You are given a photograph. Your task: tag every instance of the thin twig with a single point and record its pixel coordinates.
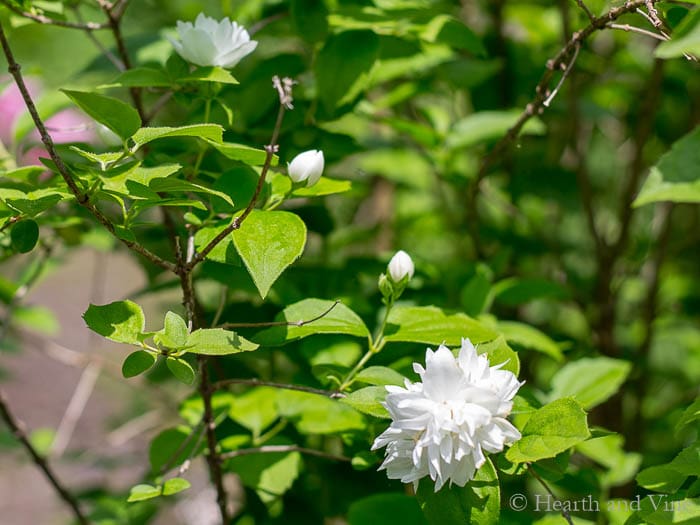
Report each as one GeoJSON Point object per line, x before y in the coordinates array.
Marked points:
{"type": "Point", "coordinates": [83, 199]}
{"type": "Point", "coordinates": [115, 25]}
{"type": "Point", "coordinates": [276, 449]}
{"type": "Point", "coordinates": [157, 106]}
{"type": "Point", "coordinates": [266, 21]}
{"type": "Point", "coordinates": [565, 513]}
{"type": "Point", "coordinates": [106, 52]}
{"type": "Point", "coordinates": [635, 29]}
{"type": "Point", "coordinates": [653, 14]}
{"type": "Point", "coordinates": [280, 323]}
{"type": "Point", "coordinates": [41, 19]}
{"type": "Point", "coordinates": [534, 107]}
{"type": "Point", "coordinates": [567, 70]}
{"type": "Point", "coordinates": [18, 431]}
{"type": "Point", "coordinates": [284, 89]}
{"type": "Point", "coordinates": [225, 383]}
{"type": "Point", "coordinates": [583, 6]}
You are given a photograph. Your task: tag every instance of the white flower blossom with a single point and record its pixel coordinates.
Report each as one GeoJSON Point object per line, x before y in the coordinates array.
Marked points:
{"type": "Point", "coordinates": [307, 166]}
{"type": "Point", "coordinates": [443, 426]}
{"type": "Point", "coordinates": [400, 266]}
{"type": "Point", "coordinates": [212, 43]}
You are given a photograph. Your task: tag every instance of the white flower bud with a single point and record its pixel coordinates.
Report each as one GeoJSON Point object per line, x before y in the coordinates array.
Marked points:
{"type": "Point", "coordinates": [401, 266]}
{"type": "Point", "coordinates": [307, 166]}
{"type": "Point", "coordinates": [212, 43]}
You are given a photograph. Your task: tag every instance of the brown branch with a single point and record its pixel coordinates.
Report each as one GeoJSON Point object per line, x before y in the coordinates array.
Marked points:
{"type": "Point", "coordinates": [567, 70]}
{"type": "Point", "coordinates": [114, 18]}
{"type": "Point", "coordinates": [41, 19]}
{"type": "Point", "coordinates": [276, 449]}
{"type": "Point", "coordinates": [653, 14]}
{"type": "Point", "coordinates": [284, 89]}
{"type": "Point", "coordinates": [565, 513]}
{"type": "Point", "coordinates": [280, 323]}
{"type": "Point", "coordinates": [585, 9]}
{"type": "Point", "coordinates": [535, 106]}
{"type": "Point", "coordinates": [18, 431]}
{"type": "Point", "coordinates": [635, 29]}
{"type": "Point", "coordinates": [225, 383]}
{"type": "Point", "coordinates": [83, 199]}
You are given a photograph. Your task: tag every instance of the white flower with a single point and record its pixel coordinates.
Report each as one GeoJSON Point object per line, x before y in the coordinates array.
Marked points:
{"type": "Point", "coordinates": [307, 166]}
{"type": "Point", "coordinates": [441, 427]}
{"type": "Point", "coordinates": [212, 43]}
{"type": "Point", "coordinates": [400, 266]}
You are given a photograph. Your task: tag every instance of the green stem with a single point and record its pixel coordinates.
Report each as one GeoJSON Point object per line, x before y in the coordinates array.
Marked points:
{"type": "Point", "coordinates": [203, 147]}
{"type": "Point", "coordinates": [375, 346]}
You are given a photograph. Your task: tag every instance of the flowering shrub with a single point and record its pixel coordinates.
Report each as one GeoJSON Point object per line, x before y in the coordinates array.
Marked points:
{"type": "Point", "coordinates": [535, 167]}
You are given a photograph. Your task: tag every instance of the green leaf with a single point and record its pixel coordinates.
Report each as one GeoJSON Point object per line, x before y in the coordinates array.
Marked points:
{"type": "Point", "coordinates": [172, 184]}
{"type": "Point", "coordinates": [430, 325]}
{"type": "Point", "coordinates": [112, 112]}
{"type": "Point", "coordinates": [552, 429]}
{"type": "Point", "coordinates": [343, 67]}
{"type": "Point", "coordinates": [271, 475]}
{"type": "Point", "coordinates": [33, 203]}
{"type": "Point", "coordinates": [339, 320]}
{"type": "Point", "coordinates": [37, 318]}
{"type": "Point", "coordinates": [314, 414]}
{"type": "Point", "coordinates": [516, 291]}
{"type": "Point", "coordinates": [171, 448]}
{"type": "Point", "coordinates": [489, 125]}
{"type": "Point", "coordinates": [255, 409]}
{"type": "Point", "coordinates": [675, 177]}
{"type": "Point", "coordinates": [590, 380]}
{"type": "Point", "coordinates": [448, 30]}
{"type": "Point", "coordinates": [609, 452]}
{"type": "Point", "coordinates": [690, 415]}
{"type": "Point", "coordinates": [137, 363]}
{"type": "Point", "coordinates": [24, 236]}
{"type": "Point", "coordinates": [209, 74]}
{"type": "Point", "coordinates": [477, 503]}
{"type": "Point", "coordinates": [121, 321]}
{"type": "Point", "coordinates": [217, 341]}
{"type": "Point", "coordinates": [685, 39]}
{"type": "Point", "coordinates": [310, 18]}
{"type": "Point", "coordinates": [243, 153]}
{"type": "Point", "coordinates": [530, 337]}
{"type": "Point", "coordinates": [390, 508]}
{"type": "Point", "coordinates": [368, 400]}
{"type": "Point", "coordinates": [224, 252]}
{"type": "Point", "coordinates": [499, 353]}
{"type": "Point", "coordinates": [670, 477]}
{"type": "Point", "coordinates": [103, 159]}
{"type": "Point", "coordinates": [140, 77]}
{"type": "Point", "coordinates": [175, 485]}
{"type": "Point", "coordinates": [379, 375]}
{"type": "Point", "coordinates": [208, 132]}
{"type": "Point", "coordinates": [181, 369]}
{"type": "Point", "coordinates": [143, 492]}
{"type": "Point", "coordinates": [175, 332]}
{"type": "Point", "coordinates": [268, 242]}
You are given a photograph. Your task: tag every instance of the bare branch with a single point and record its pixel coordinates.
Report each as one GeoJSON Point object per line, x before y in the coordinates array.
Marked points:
{"type": "Point", "coordinates": [535, 106]}
{"type": "Point", "coordinates": [653, 14]}
{"type": "Point", "coordinates": [18, 431]}
{"type": "Point", "coordinates": [635, 29]}
{"type": "Point", "coordinates": [225, 383]}
{"type": "Point", "coordinates": [276, 449]}
{"type": "Point", "coordinates": [567, 70]}
{"type": "Point", "coordinates": [41, 19]}
{"type": "Point", "coordinates": [284, 90]}
{"type": "Point", "coordinates": [280, 323]}
{"type": "Point", "coordinates": [583, 6]}
{"type": "Point", "coordinates": [83, 199]}
{"type": "Point", "coordinates": [115, 25]}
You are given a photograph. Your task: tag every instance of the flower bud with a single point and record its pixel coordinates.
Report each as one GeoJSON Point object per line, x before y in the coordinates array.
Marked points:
{"type": "Point", "coordinates": [401, 266]}
{"type": "Point", "coordinates": [212, 43]}
{"type": "Point", "coordinates": [307, 166]}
